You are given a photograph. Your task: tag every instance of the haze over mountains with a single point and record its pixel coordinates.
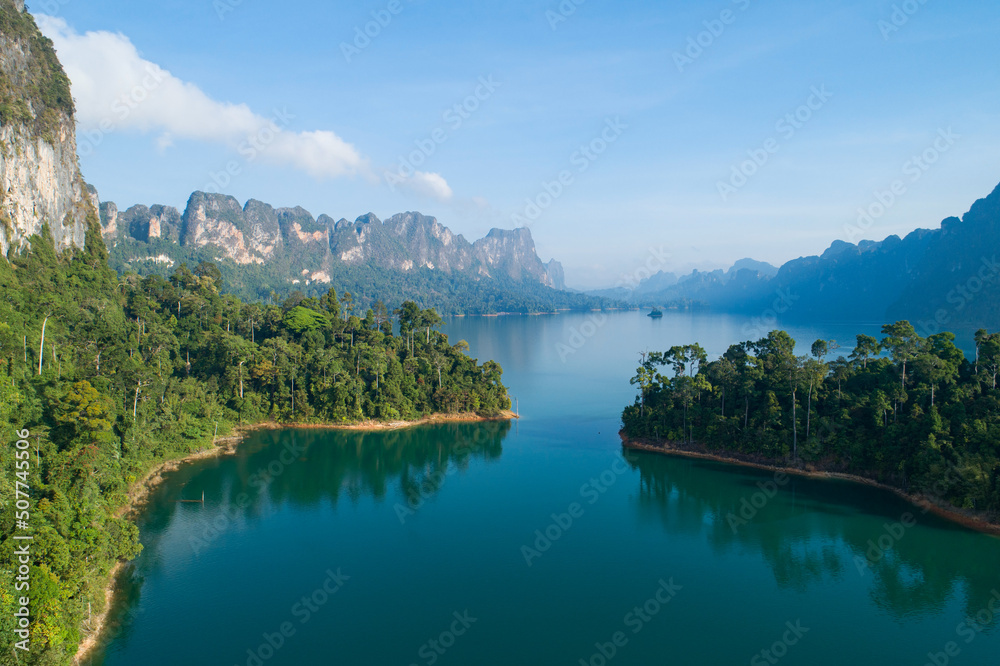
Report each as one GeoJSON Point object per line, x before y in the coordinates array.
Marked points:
{"type": "Point", "coordinates": [936, 278]}
{"type": "Point", "coordinates": [671, 287]}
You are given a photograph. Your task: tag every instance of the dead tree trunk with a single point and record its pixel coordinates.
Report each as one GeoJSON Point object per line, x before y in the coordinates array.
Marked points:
{"type": "Point", "coordinates": [41, 346]}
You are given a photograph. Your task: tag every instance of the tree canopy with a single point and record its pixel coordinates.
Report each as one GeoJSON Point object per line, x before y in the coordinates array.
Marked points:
{"type": "Point", "coordinates": [908, 411]}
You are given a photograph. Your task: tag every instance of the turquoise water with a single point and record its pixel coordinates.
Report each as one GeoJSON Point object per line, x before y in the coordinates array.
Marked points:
{"type": "Point", "coordinates": [542, 542]}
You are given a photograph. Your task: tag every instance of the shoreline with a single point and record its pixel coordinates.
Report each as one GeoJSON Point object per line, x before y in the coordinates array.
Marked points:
{"type": "Point", "coordinates": [375, 426]}
{"type": "Point", "coordinates": [91, 640]}
{"type": "Point", "coordinates": [139, 493]}
{"type": "Point", "coordinates": [538, 314]}
{"type": "Point", "coordinates": [976, 522]}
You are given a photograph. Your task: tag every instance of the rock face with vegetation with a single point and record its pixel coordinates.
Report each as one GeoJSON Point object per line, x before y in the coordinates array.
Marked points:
{"type": "Point", "coordinates": [40, 182]}
{"type": "Point", "coordinates": [261, 250]}
{"type": "Point", "coordinates": [512, 253]}
{"type": "Point", "coordinates": [426, 242]}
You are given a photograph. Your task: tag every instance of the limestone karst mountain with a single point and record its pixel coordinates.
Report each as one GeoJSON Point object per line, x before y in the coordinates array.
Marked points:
{"type": "Point", "coordinates": [40, 182]}
{"type": "Point", "coordinates": [269, 249]}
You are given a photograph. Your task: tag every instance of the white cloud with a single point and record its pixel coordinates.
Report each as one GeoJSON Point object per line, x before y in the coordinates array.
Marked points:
{"type": "Point", "coordinates": [430, 184]}
{"type": "Point", "coordinates": [116, 89]}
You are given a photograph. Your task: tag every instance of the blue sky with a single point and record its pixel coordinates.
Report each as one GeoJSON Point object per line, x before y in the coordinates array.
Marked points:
{"type": "Point", "coordinates": [895, 80]}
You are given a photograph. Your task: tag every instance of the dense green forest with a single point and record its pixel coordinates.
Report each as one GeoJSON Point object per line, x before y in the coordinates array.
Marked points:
{"type": "Point", "coordinates": [908, 411]}
{"type": "Point", "coordinates": [112, 376]}
{"type": "Point", "coordinates": [449, 293]}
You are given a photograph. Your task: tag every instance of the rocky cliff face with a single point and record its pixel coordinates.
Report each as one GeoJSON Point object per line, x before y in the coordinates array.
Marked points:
{"type": "Point", "coordinates": [139, 222]}
{"type": "Point", "coordinates": [512, 253]}
{"type": "Point", "coordinates": [557, 277]}
{"type": "Point", "coordinates": [109, 222]}
{"type": "Point", "coordinates": [367, 241]}
{"type": "Point", "coordinates": [297, 227]}
{"type": "Point", "coordinates": [307, 249]}
{"type": "Point", "coordinates": [260, 221]}
{"type": "Point", "coordinates": [430, 243]}
{"type": "Point", "coordinates": [40, 181]}
{"type": "Point", "coordinates": [247, 235]}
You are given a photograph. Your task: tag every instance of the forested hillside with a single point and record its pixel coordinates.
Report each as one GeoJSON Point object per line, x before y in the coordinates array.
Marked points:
{"type": "Point", "coordinates": [911, 412]}
{"type": "Point", "coordinates": [265, 253]}
{"type": "Point", "coordinates": [114, 376]}
{"type": "Point", "coordinates": [448, 293]}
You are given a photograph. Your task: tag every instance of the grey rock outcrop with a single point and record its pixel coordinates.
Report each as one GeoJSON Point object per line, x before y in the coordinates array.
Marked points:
{"type": "Point", "coordinates": [220, 221]}
{"type": "Point", "coordinates": [40, 182]}
{"type": "Point", "coordinates": [306, 249]}
{"type": "Point", "coordinates": [511, 253]}
{"type": "Point", "coordinates": [431, 244]}
{"type": "Point", "coordinates": [557, 277]}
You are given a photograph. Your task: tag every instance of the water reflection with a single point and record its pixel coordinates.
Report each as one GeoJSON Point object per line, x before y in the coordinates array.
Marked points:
{"type": "Point", "coordinates": [812, 532]}
{"type": "Point", "coordinates": [302, 468]}
{"type": "Point", "coordinates": [307, 467]}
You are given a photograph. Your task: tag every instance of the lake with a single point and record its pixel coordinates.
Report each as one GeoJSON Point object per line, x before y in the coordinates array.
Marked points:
{"type": "Point", "coordinates": [542, 542]}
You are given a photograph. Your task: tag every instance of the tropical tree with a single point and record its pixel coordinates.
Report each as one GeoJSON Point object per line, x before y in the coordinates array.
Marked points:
{"type": "Point", "coordinates": [903, 343]}
{"type": "Point", "coordinates": [866, 347]}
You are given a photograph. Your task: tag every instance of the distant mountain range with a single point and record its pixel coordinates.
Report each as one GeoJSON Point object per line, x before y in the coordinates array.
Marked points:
{"type": "Point", "coordinates": [940, 278]}
{"type": "Point", "coordinates": [262, 249]}
{"type": "Point", "coordinates": [666, 287]}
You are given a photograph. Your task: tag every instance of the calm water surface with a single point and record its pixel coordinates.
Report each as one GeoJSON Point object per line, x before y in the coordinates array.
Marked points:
{"type": "Point", "coordinates": [541, 542]}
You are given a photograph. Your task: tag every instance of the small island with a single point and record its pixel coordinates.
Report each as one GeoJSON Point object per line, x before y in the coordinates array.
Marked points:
{"type": "Point", "coordinates": [907, 412]}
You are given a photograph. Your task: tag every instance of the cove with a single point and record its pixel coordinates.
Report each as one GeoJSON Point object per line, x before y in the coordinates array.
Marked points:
{"type": "Point", "coordinates": [407, 547]}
